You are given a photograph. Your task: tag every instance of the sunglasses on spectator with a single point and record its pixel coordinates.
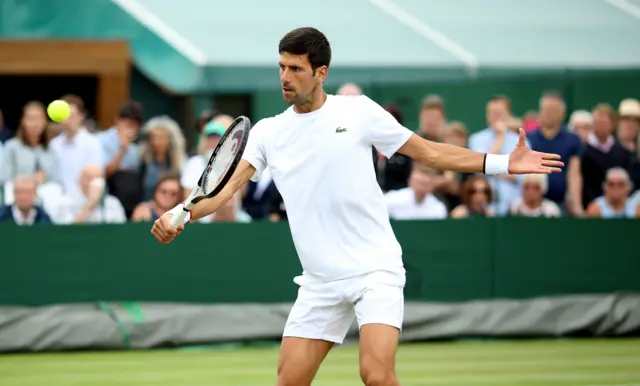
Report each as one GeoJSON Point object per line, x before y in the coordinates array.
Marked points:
{"type": "Point", "coordinates": [615, 184]}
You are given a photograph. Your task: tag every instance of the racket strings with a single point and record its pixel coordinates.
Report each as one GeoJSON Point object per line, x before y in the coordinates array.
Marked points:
{"type": "Point", "coordinates": [223, 159]}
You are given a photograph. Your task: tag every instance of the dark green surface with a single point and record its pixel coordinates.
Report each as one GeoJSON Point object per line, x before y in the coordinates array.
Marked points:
{"type": "Point", "coordinates": [446, 261]}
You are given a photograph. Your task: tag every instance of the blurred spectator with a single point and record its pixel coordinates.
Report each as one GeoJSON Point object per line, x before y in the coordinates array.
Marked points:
{"type": "Point", "coordinates": [530, 121]}
{"type": "Point", "coordinates": [24, 210]}
{"type": "Point", "coordinates": [448, 183]}
{"type": "Point", "coordinates": [162, 152]}
{"type": "Point", "coordinates": [53, 130]}
{"type": "Point", "coordinates": [564, 188]}
{"type": "Point", "coordinates": [432, 118]}
{"type": "Point", "coordinates": [581, 124]}
{"type": "Point", "coordinates": [602, 153]}
{"type": "Point", "coordinates": [476, 198]}
{"type": "Point", "coordinates": [1, 149]}
{"type": "Point", "coordinates": [351, 89]}
{"type": "Point", "coordinates": [69, 210]}
{"type": "Point", "coordinates": [532, 203]}
{"type": "Point", "coordinates": [392, 173]}
{"type": "Point", "coordinates": [497, 139]}
{"type": "Point", "coordinates": [5, 132]}
{"type": "Point", "coordinates": [629, 123]}
{"type": "Point", "coordinates": [229, 212]}
{"type": "Point", "coordinates": [417, 201]}
{"type": "Point", "coordinates": [75, 148]}
{"type": "Point", "coordinates": [615, 203]}
{"type": "Point", "coordinates": [634, 170]}
{"type": "Point", "coordinates": [166, 195]}
{"type": "Point", "coordinates": [223, 119]}
{"type": "Point", "coordinates": [259, 196]}
{"type": "Point", "coordinates": [28, 153]}
{"type": "Point", "coordinates": [193, 168]}
{"type": "Point", "coordinates": [122, 156]}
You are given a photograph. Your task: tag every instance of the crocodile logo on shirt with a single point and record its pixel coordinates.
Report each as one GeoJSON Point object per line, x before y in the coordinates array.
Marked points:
{"type": "Point", "coordinates": [341, 129]}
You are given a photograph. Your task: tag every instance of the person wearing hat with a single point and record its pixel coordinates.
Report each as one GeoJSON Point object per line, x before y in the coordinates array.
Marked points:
{"type": "Point", "coordinates": [209, 138]}
{"type": "Point", "coordinates": [629, 123]}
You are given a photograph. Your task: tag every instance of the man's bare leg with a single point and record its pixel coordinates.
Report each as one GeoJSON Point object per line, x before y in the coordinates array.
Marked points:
{"type": "Point", "coordinates": [300, 360]}
{"type": "Point", "coordinates": [378, 344]}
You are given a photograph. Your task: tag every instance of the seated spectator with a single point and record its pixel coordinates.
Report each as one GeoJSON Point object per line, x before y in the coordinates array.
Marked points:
{"type": "Point", "coordinates": [393, 173]}
{"type": "Point", "coordinates": [231, 211]}
{"type": "Point", "coordinates": [634, 169]}
{"type": "Point", "coordinates": [514, 124]}
{"type": "Point", "coordinates": [601, 153]}
{"type": "Point", "coordinates": [5, 133]}
{"type": "Point", "coordinates": [476, 199]}
{"type": "Point", "coordinates": [417, 201]}
{"type": "Point", "coordinates": [564, 188]}
{"type": "Point", "coordinates": [276, 209]}
{"type": "Point", "coordinates": [629, 124]}
{"type": "Point", "coordinates": [166, 195]}
{"type": "Point", "coordinates": [29, 153]}
{"type": "Point", "coordinates": [162, 152]}
{"type": "Point", "coordinates": [24, 211]}
{"type": "Point", "coordinates": [122, 156]}
{"type": "Point", "coordinates": [75, 148]}
{"type": "Point", "coordinates": [532, 203]}
{"type": "Point", "coordinates": [349, 89]}
{"type": "Point", "coordinates": [433, 118]}
{"type": "Point", "coordinates": [615, 203]}
{"type": "Point", "coordinates": [581, 124]}
{"type": "Point", "coordinates": [498, 139]}
{"type": "Point", "coordinates": [448, 183]}
{"type": "Point", "coordinates": [70, 209]}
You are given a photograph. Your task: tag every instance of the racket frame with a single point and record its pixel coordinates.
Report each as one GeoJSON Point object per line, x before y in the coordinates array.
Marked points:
{"type": "Point", "coordinates": [196, 194]}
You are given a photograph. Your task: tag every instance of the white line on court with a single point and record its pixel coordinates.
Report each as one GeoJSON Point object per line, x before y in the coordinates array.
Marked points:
{"type": "Point", "coordinates": [626, 7]}
{"type": "Point", "coordinates": [431, 34]}
{"type": "Point", "coordinates": [162, 29]}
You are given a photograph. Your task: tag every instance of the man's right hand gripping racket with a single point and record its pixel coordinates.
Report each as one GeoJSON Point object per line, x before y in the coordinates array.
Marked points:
{"type": "Point", "coordinates": [220, 168]}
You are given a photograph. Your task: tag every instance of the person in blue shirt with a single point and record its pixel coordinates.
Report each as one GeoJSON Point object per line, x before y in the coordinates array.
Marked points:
{"type": "Point", "coordinates": [565, 188]}
{"type": "Point", "coordinates": [498, 139]}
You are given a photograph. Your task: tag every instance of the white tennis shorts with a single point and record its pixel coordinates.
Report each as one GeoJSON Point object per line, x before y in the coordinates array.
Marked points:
{"type": "Point", "coordinates": [326, 310]}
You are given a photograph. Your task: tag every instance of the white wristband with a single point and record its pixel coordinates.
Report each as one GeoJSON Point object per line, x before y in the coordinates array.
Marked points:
{"type": "Point", "coordinates": [179, 209]}
{"type": "Point", "coordinates": [495, 164]}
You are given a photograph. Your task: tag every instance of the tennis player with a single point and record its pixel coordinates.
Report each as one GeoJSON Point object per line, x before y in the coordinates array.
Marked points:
{"type": "Point", "coordinates": [319, 155]}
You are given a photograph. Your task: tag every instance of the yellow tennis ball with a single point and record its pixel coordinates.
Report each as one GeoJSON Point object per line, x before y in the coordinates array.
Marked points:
{"type": "Point", "coordinates": [59, 111]}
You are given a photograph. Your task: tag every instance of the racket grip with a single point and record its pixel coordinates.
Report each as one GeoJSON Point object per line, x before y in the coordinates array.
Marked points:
{"type": "Point", "coordinates": [178, 219]}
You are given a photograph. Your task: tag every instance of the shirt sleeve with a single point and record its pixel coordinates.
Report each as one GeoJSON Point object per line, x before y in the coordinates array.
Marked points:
{"type": "Point", "coordinates": [96, 153]}
{"type": "Point", "coordinates": [254, 153]}
{"type": "Point", "coordinates": [577, 149]}
{"type": "Point", "coordinates": [382, 129]}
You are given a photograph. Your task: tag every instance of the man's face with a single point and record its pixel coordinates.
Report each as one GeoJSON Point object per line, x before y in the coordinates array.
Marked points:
{"type": "Point", "coordinates": [628, 128]}
{"type": "Point", "coordinates": [602, 124]}
{"type": "Point", "coordinates": [616, 187]}
{"type": "Point", "coordinates": [552, 112]}
{"type": "Point", "coordinates": [497, 111]}
{"type": "Point", "coordinates": [76, 119]}
{"type": "Point", "coordinates": [298, 79]}
{"type": "Point", "coordinates": [431, 122]}
{"type": "Point", "coordinates": [25, 195]}
{"type": "Point", "coordinates": [128, 126]}
{"type": "Point", "coordinates": [421, 183]}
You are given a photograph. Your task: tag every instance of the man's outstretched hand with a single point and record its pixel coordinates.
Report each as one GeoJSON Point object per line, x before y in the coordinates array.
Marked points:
{"type": "Point", "coordinates": [526, 161]}
{"type": "Point", "coordinates": [163, 231]}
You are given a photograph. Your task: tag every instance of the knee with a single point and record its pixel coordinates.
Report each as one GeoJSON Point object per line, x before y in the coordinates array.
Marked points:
{"type": "Point", "coordinates": [288, 376]}
{"type": "Point", "coordinates": [379, 377]}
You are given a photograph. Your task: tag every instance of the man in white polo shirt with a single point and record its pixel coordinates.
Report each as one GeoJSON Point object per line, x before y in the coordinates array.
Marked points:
{"type": "Point", "coordinates": [319, 155]}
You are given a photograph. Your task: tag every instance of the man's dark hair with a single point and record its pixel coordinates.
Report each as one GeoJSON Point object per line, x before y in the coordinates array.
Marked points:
{"type": "Point", "coordinates": [131, 110]}
{"type": "Point", "coordinates": [502, 98]}
{"type": "Point", "coordinates": [310, 41]}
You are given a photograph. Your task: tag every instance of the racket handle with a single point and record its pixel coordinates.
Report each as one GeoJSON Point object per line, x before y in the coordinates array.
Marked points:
{"type": "Point", "coordinates": [178, 219]}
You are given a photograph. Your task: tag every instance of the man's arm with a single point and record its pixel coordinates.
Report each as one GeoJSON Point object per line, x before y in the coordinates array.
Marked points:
{"type": "Point", "coordinates": [443, 156]}
{"type": "Point", "coordinates": [208, 206]}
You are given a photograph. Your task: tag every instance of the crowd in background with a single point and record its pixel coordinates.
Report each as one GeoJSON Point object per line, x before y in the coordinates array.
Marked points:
{"type": "Point", "coordinates": [75, 172]}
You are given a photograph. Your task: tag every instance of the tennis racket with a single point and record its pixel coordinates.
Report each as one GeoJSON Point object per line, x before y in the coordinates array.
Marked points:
{"type": "Point", "coordinates": [220, 168]}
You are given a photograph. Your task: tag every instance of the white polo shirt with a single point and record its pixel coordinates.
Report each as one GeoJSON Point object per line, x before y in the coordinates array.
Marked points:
{"type": "Point", "coordinates": [72, 155]}
{"type": "Point", "coordinates": [402, 205]}
{"type": "Point", "coordinates": [321, 164]}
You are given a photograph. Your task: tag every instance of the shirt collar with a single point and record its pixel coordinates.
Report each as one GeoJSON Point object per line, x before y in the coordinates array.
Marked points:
{"type": "Point", "coordinates": [29, 219]}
